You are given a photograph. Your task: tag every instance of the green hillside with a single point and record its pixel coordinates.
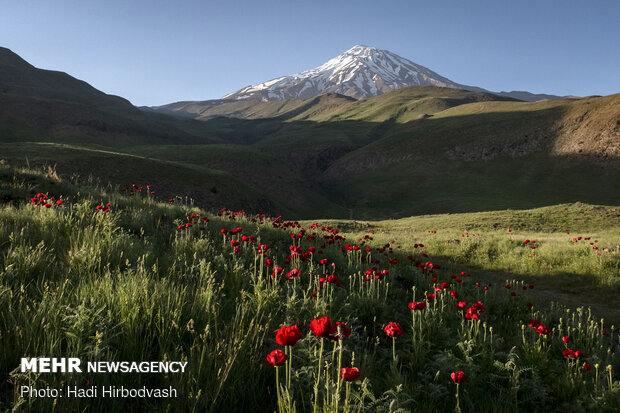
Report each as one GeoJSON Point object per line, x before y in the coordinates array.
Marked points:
{"type": "Point", "coordinates": [411, 151]}
{"type": "Point", "coordinates": [104, 275]}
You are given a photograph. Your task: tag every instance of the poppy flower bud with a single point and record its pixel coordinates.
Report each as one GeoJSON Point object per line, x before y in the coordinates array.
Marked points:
{"type": "Point", "coordinates": [339, 331]}
{"type": "Point", "coordinates": [458, 377]}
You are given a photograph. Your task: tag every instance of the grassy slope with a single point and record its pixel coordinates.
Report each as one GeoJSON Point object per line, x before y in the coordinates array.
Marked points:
{"type": "Point", "coordinates": [204, 175]}
{"type": "Point", "coordinates": [128, 285]}
{"type": "Point", "coordinates": [565, 270]}
{"type": "Point", "coordinates": [489, 155]}
{"type": "Point", "coordinates": [402, 105]}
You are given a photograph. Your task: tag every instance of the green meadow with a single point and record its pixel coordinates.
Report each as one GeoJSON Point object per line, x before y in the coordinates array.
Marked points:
{"type": "Point", "coordinates": [137, 283]}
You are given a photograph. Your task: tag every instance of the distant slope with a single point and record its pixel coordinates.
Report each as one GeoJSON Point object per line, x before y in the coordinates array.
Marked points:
{"type": "Point", "coordinates": [405, 104]}
{"type": "Point", "coordinates": [42, 104]}
{"type": "Point", "coordinates": [529, 97]}
{"type": "Point", "coordinates": [245, 109]}
{"type": "Point", "coordinates": [488, 155]}
{"type": "Point", "coordinates": [20, 78]}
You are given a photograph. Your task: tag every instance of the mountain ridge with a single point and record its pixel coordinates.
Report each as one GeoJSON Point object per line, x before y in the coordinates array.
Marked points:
{"type": "Point", "coordinates": [359, 72]}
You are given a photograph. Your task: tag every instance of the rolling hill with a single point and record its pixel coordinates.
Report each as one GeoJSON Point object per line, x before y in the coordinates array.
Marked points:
{"type": "Point", "coordinates": [414, 150]}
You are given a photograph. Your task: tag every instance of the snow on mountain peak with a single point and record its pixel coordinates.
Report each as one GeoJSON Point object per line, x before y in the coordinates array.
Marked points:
{"type": "Point", "coordinates": [360, 72]}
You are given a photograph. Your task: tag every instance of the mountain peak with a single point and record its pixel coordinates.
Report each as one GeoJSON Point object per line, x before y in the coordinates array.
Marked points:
{"type": "Point", "coordinates": [360, 49]}
{"type": "Point", "coordinates": [360, 72]}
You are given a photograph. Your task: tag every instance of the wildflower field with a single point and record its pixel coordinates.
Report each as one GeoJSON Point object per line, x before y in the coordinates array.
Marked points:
{"type": "Point", "coordinates": [495, 312]}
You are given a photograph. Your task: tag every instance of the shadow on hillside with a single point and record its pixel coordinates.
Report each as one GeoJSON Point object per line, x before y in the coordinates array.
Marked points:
{"type": "Point", "coordinates": [569, 289]}
{"type": "Point", "coordinates": [343, 169]}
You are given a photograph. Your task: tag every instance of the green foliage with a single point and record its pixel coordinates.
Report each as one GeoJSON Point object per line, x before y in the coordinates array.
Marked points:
{"type": "Point", "coordinates": [130, 285]}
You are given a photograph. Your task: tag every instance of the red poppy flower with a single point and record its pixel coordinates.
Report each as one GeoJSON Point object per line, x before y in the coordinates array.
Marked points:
{"type": "Point", "coordinates": [454, 294]}
{"type": "Point", "coordinates": [349, 373]}
{"type": "Point", "coordinates": [478, 306]}
{"type": "Point", "coordinates": [568, 353]}
{"type": "Point", "coordinates": [533, 323]}
{"type": "Point", "coordinates": [288, 335]}
{"type": "Point", "coordinates": [417, 305]}
{"type": "Point", "coordinates": [277, 358]}
{"type": "Point", "coordinates": [293, 273]}
{"type": "Point", "coordinates": [393, 329]}
{"type": "Point", "coordinates": [542, 329]}
{"type": "Point", "coordinates": [566, 339]}
{"type": "Point", "coordinates": [461, 305]}
{"type": "Point", "coordinates": [578, 354]}
{"type": "Point", "coordinates": [472, 314]}
{"type": "Point", "coordinates": [458, 377]}
{"type": "Point", "coordinates": [268, 263]}
{"type": "Point", "coordinates": [321, 327]}
{"type": "Point", "coordinates": [587, 366]}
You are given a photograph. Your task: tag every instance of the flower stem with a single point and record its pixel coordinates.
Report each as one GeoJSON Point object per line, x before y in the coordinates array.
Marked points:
{"type": "Point", "coordinates": [318, 380]}
{"type": "Point", "coordinates": [338, 373]}
{"type": "Point", "coordinates": [290, 366]}
{"type": "Point", "coordinates": [278, 383]}
{"type": "Point", "coordinates": [394, 349]}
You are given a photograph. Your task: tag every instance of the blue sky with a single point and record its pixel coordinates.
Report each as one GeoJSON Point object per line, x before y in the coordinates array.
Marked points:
{"type": "Point", "coordinates": [156, 52]}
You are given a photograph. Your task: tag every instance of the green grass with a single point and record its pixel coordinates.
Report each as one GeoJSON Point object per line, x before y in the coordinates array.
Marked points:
{"type": "Point", "coordinates": [129, 285]}
{"type": "Point", "coordinates": [210, 174]}
{"type": "Point", "coordinates": [567, 270]}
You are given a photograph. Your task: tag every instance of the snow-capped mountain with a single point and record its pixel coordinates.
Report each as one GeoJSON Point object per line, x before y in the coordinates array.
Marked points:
{"type": "Point", "coordinates": [359, 72]}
